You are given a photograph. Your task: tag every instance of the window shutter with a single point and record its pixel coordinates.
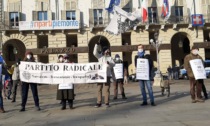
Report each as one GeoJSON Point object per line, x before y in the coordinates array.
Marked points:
{"type": "Point", "coordinates": [73, 5]}
{"type": "Point", "coordinates": [91, 18]}
{"type": "Point", "coordinates": [63, 14]}
{"type": "Point", "coordinates": [180, 3]}
{"type": "Point", "coordinates": [49, 15]}
{"type": "Point", "coordinates": [17, 6]}
{"type": "Point", "coordinates": [20, 16]}
{"type": "Point", "coordinates": [35, 15]}
{"type": "Point", "coordinates": [78, 15]}
{"type": "Point", "coordinates": [11, 7]}
{"type": "Point", "coordinates": [68, 6]}
{"type": "Point", "coordinates": [7, 19]}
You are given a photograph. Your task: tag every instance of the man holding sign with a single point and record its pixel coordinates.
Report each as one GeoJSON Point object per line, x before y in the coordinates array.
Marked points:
{"type": "Point", "coordinates": [144, 66]}
{"type": "Point", "coordinates": [193, 63]}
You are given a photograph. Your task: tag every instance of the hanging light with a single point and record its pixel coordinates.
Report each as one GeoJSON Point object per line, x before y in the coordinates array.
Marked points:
{"type": "Point", "coordinates": [15, 50]}
{"type": "Point", "coordinates": [180, 44]}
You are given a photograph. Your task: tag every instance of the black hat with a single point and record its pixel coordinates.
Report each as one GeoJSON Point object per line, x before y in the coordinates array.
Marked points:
{"type": "Point", "coordinates": [194, 47]}
{"type": "Point", "coordinates": [104, 49]}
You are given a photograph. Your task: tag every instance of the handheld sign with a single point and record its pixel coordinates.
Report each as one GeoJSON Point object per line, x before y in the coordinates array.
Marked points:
{"type": "Point", "coordinates": [198, 69]}
{"type": "Point", "coordinates": [65, 86]}
{"type": "Point", "coordinates": [118, 71]}
{"type": "Point", "coordinates": [142, 71]}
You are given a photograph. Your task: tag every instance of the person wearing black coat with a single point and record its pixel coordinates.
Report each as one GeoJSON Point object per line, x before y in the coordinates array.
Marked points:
{"type": "Point", "coordinates": [65, 94]}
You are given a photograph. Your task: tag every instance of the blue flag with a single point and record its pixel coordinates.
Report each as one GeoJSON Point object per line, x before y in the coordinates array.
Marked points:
{"type": "Point", "coordinates": [112, 4]}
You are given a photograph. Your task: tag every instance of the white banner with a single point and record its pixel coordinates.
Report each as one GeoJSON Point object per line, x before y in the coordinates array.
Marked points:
{"type": "Point", "coordinates": [65, 86]}
{"type": "Point", "coordinates": [142, 70]}
{"type": "Point", "coordinates": [198, 69]}
{"type": "Point", "coordinates": [48, 25]}
{"type": "Point", "coordinates": [61, 73]}
{"type": "Point", "coordinates": [118, 71]}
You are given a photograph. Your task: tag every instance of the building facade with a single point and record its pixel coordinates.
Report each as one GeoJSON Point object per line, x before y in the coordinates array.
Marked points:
{"type": "Point", "coordinates": [177, 35]}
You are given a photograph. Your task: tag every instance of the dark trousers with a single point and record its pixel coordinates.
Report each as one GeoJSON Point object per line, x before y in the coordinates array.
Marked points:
{"type": "Point", "coordinates": [120, 83]}
{"type": "Point", "coordinates": [14, 89]}
{"type": "Point", "coordinates": [204, 89]}
{"type": "Point", "coordinates": [69, 101]}
{"type": "Point", "coordinates": [25, 87]}
{"type": "Point", "coordinates": [1, 99]}
{"type": "Point", "coordinates": [195, 92]}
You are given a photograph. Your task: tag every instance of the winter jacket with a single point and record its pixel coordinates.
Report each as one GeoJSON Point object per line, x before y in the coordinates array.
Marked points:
{"type": "Point", "coordinates": [187, 65]}
{"type": "Point", "coordinates": [104, 59]}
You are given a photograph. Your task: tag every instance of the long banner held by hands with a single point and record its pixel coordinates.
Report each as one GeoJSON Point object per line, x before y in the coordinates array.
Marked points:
{"type": "Point", "coordinates": [56, 73]}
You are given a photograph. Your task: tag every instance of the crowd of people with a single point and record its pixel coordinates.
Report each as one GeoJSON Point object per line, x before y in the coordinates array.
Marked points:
{"type": "Point", "coordinates": [10, 79]}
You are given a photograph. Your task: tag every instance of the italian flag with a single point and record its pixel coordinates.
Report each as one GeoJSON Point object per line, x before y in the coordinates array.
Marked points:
{"type": "Point", "coordinates": [144, 6]}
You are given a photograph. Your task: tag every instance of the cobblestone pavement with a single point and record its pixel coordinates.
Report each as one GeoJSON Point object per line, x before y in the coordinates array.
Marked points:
{"type": "Point", "coordinates": [176, 110]}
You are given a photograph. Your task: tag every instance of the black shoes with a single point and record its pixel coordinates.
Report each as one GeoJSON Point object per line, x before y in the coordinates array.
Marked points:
{"type": "Point", "coordinates": [107, 105]}
{"type": "Point", "coordinates": [63, 107]}
{"type": "Point", "coordinates": [153, 104]}
{"type": "Point", "coordinates": [38, 108]}
{"type": "Point", "coordinates": [97, 105]}
{"type": "Point", "coordinates": [144, 104]}
{"type": "Point", "coordinates": [115, 98]}
{"type": "Point", "coordinates": [22, 109]}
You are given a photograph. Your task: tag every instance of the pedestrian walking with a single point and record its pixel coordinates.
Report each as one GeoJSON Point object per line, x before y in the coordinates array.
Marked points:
{"type": "Point", "coordinates": [16, 79]}
{"type": "Point", "coordinates": [119, 82]}
{"type": "Point", "coordinates": [2, 73]}
{"type": "Point", "coordinates": [145, 83]}
{"type": "Point", "coordinates": [65, 95]}
{"type": "Point", "coordinates": [25, 86]}
{"type": "Point", "coordinates": [105, 58]}
{"type": "Point", "coordinates": [169, 70]}
{"type": "Point", "coordinates": [195, 85]}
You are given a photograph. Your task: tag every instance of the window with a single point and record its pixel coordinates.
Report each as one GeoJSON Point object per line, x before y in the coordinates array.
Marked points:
{"type": "Point", "coordinates": [98, 19]}
{"type": "Point", "coordinates": [70, 15]}
{"type": "Point", "coordinates": [14, 19]}
{"type": "Point", "coordinates": [42, 15]}
{"type": "Point", "coordinates": [179, 13]}
{"type": "Point", "coordinates": [152, 14]}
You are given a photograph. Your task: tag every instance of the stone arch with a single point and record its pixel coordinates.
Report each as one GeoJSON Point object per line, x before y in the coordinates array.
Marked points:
{"type": "Point", "coordinates": [13, 49]}
{"type": "Point", "coordinates": [16, 36]}
{"type": "Point", "coordinates": [180, 47]}
{"type": "Point", "coordinates": [104, 42]}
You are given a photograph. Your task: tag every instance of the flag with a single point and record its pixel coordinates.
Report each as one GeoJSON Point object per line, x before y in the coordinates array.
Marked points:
{"type": "Point", "coordinates": [166, 10]}
{"type": "Point", "coordinates": [144, 6]}
{"type": "Point", "coordinates": [112, 4]}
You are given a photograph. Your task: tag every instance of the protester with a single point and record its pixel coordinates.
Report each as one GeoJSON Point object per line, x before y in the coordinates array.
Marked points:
{"type": "Point", "coordinates": [3, 72]}
{"type": "Point", "coordinates": [204, 90]}
{"type": "Point", "coordinates": [105, 58]}
{"type": "Point", "coordinates": [65, 94]}
{"type": "Point", "coordinates": [25, 86]}
{"type": "Point", "coordinates": [7, 87]}
{"type": "Point", "coordinates": [169, 70]}
{"type": "Point", "coordinates": [195, 85]}
{"type": "Point", "coordinates": [147, 83]}
{"type": "Point", "coordinates": [117, 60]}
{"type": "Point", "coordinates": [16, 79]}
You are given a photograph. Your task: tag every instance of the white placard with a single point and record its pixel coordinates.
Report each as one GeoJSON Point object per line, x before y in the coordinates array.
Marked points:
{"type": "Point", "coordinates": [198, 69]}
{"type": "Point", "coordinates": [118, 71]}
{"type": "Point", "coordinates": [59, 73]}
{"type": "Point", "coordinates": [142, 70]}
{"type": "Point", "coordinates": [65, 86]}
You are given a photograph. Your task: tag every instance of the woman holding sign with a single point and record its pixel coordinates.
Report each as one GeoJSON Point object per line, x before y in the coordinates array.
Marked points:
{"type": "Point", "coordinates": [25, 86]}
{"type": "Point", "coordinates": [118, 77]}
{"type": "Point", "coordinates": [65, 92]}
{"type": "Point", "coordinates": [195, 84]}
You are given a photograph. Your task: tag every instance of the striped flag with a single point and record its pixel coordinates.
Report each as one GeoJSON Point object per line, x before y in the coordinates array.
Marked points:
{"type": "Point", "coordinates": [166, 10]}
{"type": "Point", "coordinates": [144, 7]}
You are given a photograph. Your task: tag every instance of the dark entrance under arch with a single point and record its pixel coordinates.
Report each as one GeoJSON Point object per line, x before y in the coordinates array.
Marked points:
{"type": "Point", "coordinates": [104, 42]}
{"type": "Point", "coordinates": [12, 50]}
{"type": "Point", "coordinates": [180, 47]}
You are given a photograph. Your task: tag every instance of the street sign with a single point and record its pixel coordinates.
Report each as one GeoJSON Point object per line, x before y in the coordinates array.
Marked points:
{"type": "Point", "coordinates": [197, 20]}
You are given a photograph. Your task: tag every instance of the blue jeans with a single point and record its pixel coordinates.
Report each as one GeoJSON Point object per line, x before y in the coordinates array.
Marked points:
{"type": "Point", "coordinates": [1, 99]}
{"type": "Point", "coordinates": [148, 84]}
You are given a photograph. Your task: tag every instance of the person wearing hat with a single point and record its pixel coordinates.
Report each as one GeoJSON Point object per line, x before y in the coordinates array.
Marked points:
{"type": "Point", "coordinates": [195, 85]}
{"type": "Point", "coordinates": [117, 60]}
{"type": "Point", "coordinates": [25, 86]}
{"type": "Point", "coordinates": [15, 78]}
{"type": "Point", "coordinates": [105, 58]}
{"type": "Point", "coordinates": [65, 94]}
{"type": "Point", "coordinates": [3, 73]}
